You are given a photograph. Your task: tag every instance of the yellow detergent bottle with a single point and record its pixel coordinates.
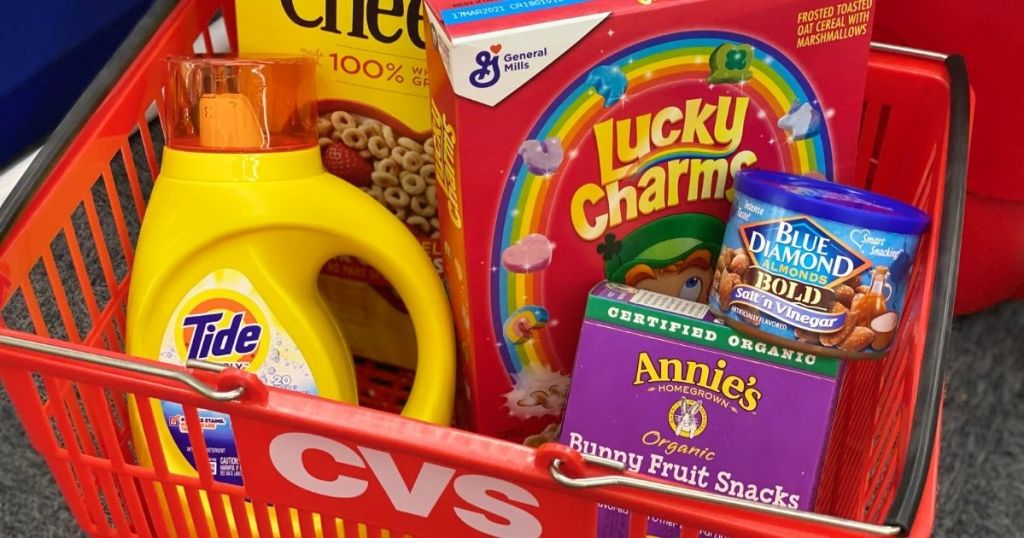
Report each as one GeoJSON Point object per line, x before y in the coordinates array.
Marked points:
{"type": "Point", "coordinates": [240, 222]}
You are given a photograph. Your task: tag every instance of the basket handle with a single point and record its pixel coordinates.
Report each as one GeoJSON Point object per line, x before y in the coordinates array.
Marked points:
{"type": "Point", "coordinates": [556, 464]}
{"type": "Point", "coordinates": [926, 411]}
{"type": "Point", "coordinates": [146, 368]}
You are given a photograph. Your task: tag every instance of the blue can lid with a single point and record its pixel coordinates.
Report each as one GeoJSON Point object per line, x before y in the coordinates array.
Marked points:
{"type": "Point", "coordinates": [832, 201]}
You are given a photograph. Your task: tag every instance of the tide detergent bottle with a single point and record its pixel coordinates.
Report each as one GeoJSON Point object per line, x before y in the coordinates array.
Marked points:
{"type": "Point", "coordinates": [240, 222]}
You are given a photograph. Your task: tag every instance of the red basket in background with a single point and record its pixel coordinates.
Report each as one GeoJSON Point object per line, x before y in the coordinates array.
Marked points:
{"type": "Point", "coordinates": [992, 267]}
{"type": "Point", "coordinates": [69, 230]}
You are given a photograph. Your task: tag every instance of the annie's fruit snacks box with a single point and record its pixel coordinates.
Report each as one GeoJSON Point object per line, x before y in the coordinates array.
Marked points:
{"type": "Point", "coordinates": [374, 129]}
{"type": "Point", "coordinates": [599, 140]}
{"type": "Point", "coordinates": [661, 387]}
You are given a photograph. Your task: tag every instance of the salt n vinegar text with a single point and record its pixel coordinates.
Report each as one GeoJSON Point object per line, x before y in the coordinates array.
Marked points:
{"type": "Point", "coordinates": [701, 139]}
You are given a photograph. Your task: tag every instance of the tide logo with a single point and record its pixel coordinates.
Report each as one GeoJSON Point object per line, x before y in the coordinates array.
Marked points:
{"type": "Point", "coordinates": [226, 328]}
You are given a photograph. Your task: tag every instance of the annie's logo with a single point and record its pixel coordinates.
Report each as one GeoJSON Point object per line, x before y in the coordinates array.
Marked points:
{"type": "Point", "coordinates": [715, 379]}
{"type": "Point", "coordinates": [491, 63]}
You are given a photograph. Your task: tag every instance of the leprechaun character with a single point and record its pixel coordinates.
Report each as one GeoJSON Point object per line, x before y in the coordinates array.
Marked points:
{"type": "Point", "coordinates": [674, 256]}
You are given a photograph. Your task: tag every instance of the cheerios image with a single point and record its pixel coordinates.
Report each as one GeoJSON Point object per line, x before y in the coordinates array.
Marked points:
{"type": "Point", "coordinates": [412, 182]}
{"type": "Point", "coordinates": [396, 197]}
{"type": "Point", "coordinates": [420, 222]}
{"type": "Point", "coordinates": [378, 147]}
{"type": "Point", "coordinates": [342, 120]}
{"type": "Point", "coordinates": [421, 206]}
{"type": "Point", "coordinates": [388, 165]}
{"type": "Point", "coordinates": [384, 179]}
{"type": "Point", "coordinates": [412, 161]}
{"type": "Point", "coordinates": [403, 177]}
{"type": "Point", "coordinates": [389, 136]}
{"type": "Point", "coordinates": [354, 138]}
{"type": "Point", "coordinates": [410, 145]}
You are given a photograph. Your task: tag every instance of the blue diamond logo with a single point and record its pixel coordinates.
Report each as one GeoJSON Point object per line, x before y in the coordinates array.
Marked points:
{"type": "Point", "coordinates": [801, 249]}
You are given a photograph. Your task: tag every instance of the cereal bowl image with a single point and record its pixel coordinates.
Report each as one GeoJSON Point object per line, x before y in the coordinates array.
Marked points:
{"type": "Point", "coordinates": [384, 158]}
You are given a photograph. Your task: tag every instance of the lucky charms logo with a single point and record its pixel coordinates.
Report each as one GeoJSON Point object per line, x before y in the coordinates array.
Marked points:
{"type": "Point", "coordinates": [223, 327]}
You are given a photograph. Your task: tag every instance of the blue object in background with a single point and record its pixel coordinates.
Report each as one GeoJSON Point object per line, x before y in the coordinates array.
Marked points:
{"type": "Point", "coordinates": [49, 52]}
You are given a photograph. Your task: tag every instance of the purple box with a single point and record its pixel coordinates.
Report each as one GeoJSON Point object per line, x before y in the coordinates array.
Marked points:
{"type": "Point", "coordinates": [664, 388]}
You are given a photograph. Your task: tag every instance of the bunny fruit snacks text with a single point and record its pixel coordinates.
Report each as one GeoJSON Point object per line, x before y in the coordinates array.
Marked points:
{"type": "Point", "coordinates": [601, 140]}
{"type": "Point", "coordinates": [374, 131]}
{"type": "Point", "coordinates": [661, 387]}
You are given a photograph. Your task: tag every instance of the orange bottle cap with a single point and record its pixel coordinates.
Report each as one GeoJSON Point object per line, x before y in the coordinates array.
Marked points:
{"type": "Point", "coordinates": [230, 104]}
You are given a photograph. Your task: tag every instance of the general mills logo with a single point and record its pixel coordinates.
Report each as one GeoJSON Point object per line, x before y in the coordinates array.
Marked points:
{"type": "Point", "coordinates": [488, 71]}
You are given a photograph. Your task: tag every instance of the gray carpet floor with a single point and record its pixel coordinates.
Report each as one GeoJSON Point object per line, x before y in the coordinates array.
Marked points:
{"type": "Point", "coordinates": [982, 466]}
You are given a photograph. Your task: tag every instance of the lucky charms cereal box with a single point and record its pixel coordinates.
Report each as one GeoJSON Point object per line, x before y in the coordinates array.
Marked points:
{"type": "Point", "coordinates": [579, 141]}
{"type": "Point", "coordinates": [668, 392]}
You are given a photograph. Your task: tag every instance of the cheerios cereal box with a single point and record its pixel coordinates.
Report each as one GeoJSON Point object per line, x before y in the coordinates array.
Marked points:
{"type": "Point", "coordinates": [374, 129]}
{"type": "Point", "coordinates": [587, 140]}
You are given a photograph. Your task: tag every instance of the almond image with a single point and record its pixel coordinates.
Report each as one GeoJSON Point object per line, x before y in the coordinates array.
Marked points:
{"type": "Point", "coordinates": [729, 281]}
{"type": "Point", "coordinates": [853, 282]}
{"type": "Point", "coordinates": [885, 330]}
{"type": "Point", "coordinates": [739, 264]}
{"type": "Point", "coordinates": [862, 289]}
{"type": "Point", "coordinates": [856, 315]}
{"type": "Point", "coordinates": [726, 256]}
{"type": "Point", "coordinates": [844, 294]}
{"type": "Point", "coordinates": [834, 339]}
{"type": "Point", "coordinates": [807, 336]}
{"type": "Point", "coordinates": [858, 339]}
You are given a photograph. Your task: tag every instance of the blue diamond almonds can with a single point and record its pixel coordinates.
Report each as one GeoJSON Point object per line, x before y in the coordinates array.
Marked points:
{"type": "Point", "coordinates": [814, 265]}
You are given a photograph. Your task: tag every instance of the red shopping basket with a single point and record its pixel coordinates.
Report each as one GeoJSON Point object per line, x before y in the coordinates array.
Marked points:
{"type": "Point", "coordinates": [314, 467]}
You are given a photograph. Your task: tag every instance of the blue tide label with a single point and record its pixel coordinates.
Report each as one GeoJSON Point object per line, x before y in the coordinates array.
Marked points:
{"type": "Point", "coordinates": [224, 320]}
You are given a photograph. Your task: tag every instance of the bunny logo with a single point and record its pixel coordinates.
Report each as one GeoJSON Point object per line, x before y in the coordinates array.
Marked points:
{"type": "Point", "coordinates": [688, 418]}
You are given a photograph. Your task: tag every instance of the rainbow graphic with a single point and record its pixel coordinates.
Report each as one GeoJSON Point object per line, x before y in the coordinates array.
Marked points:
{"type": "Point", "coordinates": [775, 85]}
{"type": "Point", "coordinates": [679, 151]}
